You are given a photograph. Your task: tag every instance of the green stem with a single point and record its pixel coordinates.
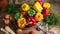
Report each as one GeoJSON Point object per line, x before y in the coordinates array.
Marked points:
{"type": "Point", "coordinates": [30, 22]}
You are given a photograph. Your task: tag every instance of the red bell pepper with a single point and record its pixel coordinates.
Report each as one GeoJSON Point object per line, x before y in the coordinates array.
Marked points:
{"type": "Point", "coordinates": [46, 12]}
{"type": "Point", "coordinates": [31, 21]}
{"type": "Point", "coordinates": [41, 3]}
{"type": "Point", "coordinates": [24, 14]}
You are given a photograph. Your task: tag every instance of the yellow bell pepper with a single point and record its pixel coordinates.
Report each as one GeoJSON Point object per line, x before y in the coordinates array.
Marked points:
{"type": "Point", "coordinates": [25, 7]}
{"type": "Point", "coordinates": [21, 22]}
{"type": "Point", "coordinates": [46, 5]}
{"type": "Point", "coordinates": [37, 7]}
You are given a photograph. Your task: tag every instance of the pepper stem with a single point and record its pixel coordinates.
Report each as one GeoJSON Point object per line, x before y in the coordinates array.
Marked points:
{"type": "Point", "coordinates": [39, 16]}
{"type": "Point", "coordinates": [30, 22]}
{"type": "Point", "coordinates": [21, 22]}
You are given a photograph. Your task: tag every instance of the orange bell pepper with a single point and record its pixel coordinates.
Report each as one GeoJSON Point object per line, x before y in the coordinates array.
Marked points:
{"type": "Point", "coordinates": [21, 22]}
{"type": "Point", "coordinates": [38, 17]}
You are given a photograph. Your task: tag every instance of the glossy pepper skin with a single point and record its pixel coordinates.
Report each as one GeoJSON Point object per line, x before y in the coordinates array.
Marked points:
{"type": "Point", "coordinates": [31, 12]}
{"type": "Point", "coordinates": [21, 22]}
{"type": "Point", "coordinates": [25, 7]}
{"type": "Point", "coordinates": [46, 12]}
{"type": "Point", "coordinates": [38, 17]}
{"type": "Point", "coordinates": [41, 3]}
{"type": "Point", "coordinates": [31, 21]}
{"type": "Point", "coordinates": [24, 13]}
{"type": "Point", "coordinates": [17, 16]}
{"type": "Point", "coordinates": [37, 7]}
{"type": "Point", "coordinates": [46, 5]}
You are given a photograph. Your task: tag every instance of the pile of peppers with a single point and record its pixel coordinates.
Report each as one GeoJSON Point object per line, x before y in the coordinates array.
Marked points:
{"type": "Point", "coordinates": [30, 15]}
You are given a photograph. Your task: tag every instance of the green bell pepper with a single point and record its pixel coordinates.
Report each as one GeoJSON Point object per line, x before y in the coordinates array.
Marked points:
{"type": "Point", "coordinates": [18, 15]}
{"type": "Point", "coordinates": [31, 12]}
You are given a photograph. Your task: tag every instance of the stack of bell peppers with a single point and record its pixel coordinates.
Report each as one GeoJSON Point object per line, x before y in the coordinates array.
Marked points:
{"type": "Point", "coordinates": [30, 15]}
{"type": "Point", "coordinates": [46, 7]}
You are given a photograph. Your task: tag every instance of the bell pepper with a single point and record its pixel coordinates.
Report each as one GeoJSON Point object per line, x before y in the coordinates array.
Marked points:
{"type": "Point", "coordinates": [24, 13]}
{"type": "Point", "coordinates": [21, 22]}
{"type": "Point", "coordinates": [31, 12]}
{"type": "Point", "coordinates": [46, 12]}
{"type": "Point", "coordinates": [37, 7]}
{"type": "Point", "coordinates": [25, 7]}
{"type": "Point", "coordinates": [46, 5]}
{"type": "Point", "coordinates": [31, 21]}
{"type": "Point", "coordinates": [18, 15]}
{"type": "Point", "coordinates": [38, 17]}
{"type": "Point", "coordinates": [41, 3]}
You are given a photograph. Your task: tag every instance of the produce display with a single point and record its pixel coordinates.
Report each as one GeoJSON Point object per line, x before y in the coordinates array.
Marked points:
{"type": "Point", "coordinates": [25, 15]}
{"type": "Point", "coordinates": [34, 14]}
